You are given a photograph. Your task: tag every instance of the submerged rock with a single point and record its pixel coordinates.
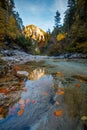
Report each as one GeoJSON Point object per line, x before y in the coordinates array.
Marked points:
{"type": "Point", "coordinates": [80, 77]}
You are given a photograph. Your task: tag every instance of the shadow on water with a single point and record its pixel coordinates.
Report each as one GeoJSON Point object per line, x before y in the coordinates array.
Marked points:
{"type": "Point", "coordinates": [50, 87]}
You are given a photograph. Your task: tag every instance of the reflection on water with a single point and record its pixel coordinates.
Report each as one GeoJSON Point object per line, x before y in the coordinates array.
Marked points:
{"type": "Point", "coordinates": [36, 102]}
{"type": "Point", "coordinates": [26, 101]}
{"type": "Point", "coordinates": [7, 101]}
{"type": "Point", "coordinates": [37, 74]}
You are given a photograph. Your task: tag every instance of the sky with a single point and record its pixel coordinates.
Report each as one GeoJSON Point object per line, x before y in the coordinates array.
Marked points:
{"type": "Point", "coordinates": [40, 12]}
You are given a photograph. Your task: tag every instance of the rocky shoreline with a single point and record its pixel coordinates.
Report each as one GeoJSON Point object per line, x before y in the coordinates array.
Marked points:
{"type": "Point", "coordinates": [21, 53]}
{"type": "Point", "coordinates": [71, 56]}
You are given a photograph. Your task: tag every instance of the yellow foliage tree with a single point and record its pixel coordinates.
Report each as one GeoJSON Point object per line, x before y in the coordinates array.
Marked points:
{"type": "Point", "coordinates": [13, 29]}
{"type": "Point", "coordinates": [3, 23]}
{"type": "Point", "coordinates": [61, 36]}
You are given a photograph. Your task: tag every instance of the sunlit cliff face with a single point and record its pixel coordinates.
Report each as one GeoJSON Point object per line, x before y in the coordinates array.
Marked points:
{"type": "Point", "coordinates": [34, 32]}
{"type": "Point", "coordinates": [37, 74]}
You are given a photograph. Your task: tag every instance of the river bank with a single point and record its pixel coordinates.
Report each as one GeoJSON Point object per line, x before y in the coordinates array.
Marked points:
{"type": "Point", "coordinates": [46, 95]}
{"type": "Point", "coordinates": [16, 52]}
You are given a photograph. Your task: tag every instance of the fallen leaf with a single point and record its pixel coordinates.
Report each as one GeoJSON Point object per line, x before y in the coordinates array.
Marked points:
{"type": "Point", "coordinates": [27, 100]}
{"type": "Point", "coordinates": [62, 89]}
{"type": "Point", "coordinates": [60, 74]}
{"type": "Point", "coordinates": [20, 112]}
{"type": "Point", "coordinates": [81, 80]}
{"type": "Point", "coordinates": [58, 113]}
{"type": "Point", "coordinates": [45, 93]}
{"type": "Point", "coordinates": [16, 68]}
{"type": "Point", "coordinates": [60, 93]}
{"type": "Point", "coordinates": [33, 101]}
{"type": "Point", "coordinates": [78, 85]}
{"type": "Point", "coordinates": [4, 90]}
{"type": "Point", "coordinates": [22, 82]}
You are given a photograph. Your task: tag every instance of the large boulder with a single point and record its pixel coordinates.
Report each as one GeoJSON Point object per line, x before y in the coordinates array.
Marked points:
{"type": "Point", "coordinates": [22, 74]}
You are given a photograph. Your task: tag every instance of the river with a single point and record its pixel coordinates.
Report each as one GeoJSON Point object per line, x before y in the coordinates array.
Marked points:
{"type": "Point", "coordinates": [42, 106]}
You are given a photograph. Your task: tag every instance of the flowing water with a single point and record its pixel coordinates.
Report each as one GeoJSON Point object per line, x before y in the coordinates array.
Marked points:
{"type": "Point", "coordinates": [34, 108]}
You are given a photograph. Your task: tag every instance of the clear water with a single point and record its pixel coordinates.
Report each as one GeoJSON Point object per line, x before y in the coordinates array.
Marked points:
{"type": "Point", "coordinates": [38, 102]}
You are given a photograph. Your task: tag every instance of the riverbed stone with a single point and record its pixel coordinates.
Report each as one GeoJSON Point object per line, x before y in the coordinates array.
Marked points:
{"type": "Point", "coordinates": [80, 77]}
{"type": "Point", "coordinates": [22, 74]}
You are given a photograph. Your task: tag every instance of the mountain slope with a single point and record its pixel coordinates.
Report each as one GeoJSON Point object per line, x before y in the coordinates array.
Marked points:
{"type": "Point", "coordinates": [34, 32]}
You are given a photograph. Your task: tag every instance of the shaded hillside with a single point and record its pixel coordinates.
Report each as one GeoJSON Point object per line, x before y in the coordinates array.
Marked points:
{"type": "Point", "coordinates": [11, 27]}
{"type": "Point", "coordinates": [11, 24]}
{"type": "Point", "coordinates": [77, 29]}
{"type": "Point", "coordinates": [71, 37]}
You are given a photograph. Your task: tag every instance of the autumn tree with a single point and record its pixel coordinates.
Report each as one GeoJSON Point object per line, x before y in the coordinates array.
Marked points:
{"type": "Point", "coordinates": [11, 24]}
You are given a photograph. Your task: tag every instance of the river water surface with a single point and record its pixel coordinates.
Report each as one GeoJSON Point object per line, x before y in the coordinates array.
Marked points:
{"type": "Point", "coordinates": [35, 107]}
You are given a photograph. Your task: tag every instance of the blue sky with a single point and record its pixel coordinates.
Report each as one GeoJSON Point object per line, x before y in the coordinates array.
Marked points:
{"type": "Point", "coordinates": [40, 12]}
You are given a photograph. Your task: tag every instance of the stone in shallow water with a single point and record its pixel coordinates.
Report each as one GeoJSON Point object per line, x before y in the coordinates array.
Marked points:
{"type": "Point", "coordinates": [80, 77]}
{"type": "Point", "coordinates": [52, 101]}
{"type": "Point", "coordinates": [22, 74]}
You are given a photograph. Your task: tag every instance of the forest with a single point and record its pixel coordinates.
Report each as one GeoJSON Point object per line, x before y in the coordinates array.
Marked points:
{"type": "Point", "coordinates": [69, 37]}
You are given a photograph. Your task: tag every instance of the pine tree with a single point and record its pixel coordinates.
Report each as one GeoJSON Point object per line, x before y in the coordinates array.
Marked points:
{"type": "Point", "coordinates": [56, 29]}
{"type": "Point", "coordinates": [57, 19]}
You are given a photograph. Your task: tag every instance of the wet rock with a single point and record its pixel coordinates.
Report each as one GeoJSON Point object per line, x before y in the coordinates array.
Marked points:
{"type": "Point", "coordinates": [72, 56]}
{"type": "Point", "coordinates": [7, 52]}
{"type": "Point", "coordinates": [22, 74]}
{"type": "Point", "coordinates": [5, 68]}
{"type": "Point", "coordinates": [52, 101]}
{"type": "Point", "coordinates": [2, 96]}
{"type": "Point", "coordinates": [80, 77]}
